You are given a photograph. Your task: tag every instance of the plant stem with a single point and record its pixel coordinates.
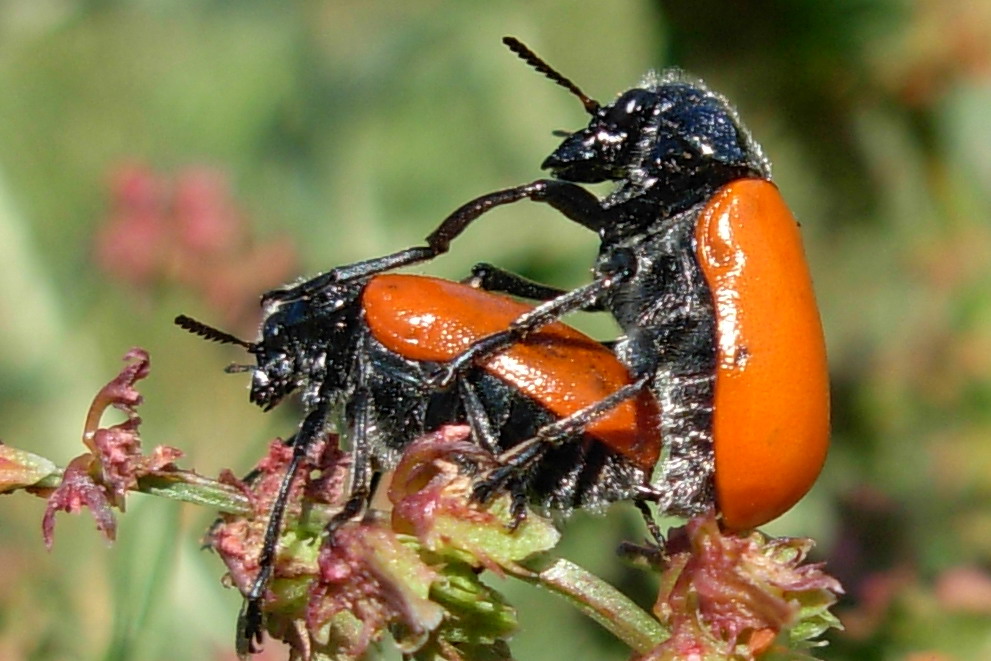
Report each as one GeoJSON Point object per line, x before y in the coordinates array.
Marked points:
{"type": "Point", "coordinates": [596, 599]}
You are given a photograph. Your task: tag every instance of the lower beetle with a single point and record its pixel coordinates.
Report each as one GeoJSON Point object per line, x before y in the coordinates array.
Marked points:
{"type": "Point", "coordinates": [567, 424]}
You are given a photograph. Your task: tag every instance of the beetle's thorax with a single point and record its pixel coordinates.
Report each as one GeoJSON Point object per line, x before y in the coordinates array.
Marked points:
{"type": "Point", "coordinates": [666, 311]}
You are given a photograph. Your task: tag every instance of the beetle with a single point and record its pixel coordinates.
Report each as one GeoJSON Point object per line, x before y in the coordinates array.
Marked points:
{"type": "Point", "coordinates": [701, 264]}
{"type": "Point", "coordinates": [568, 425]}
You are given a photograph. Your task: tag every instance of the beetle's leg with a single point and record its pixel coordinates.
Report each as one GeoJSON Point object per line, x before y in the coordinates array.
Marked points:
{"type": "Point", "coordinates": [486, 436]}
{"type": "Point", "coordinates": [492, 278]}
{"type": "Point", "coordinates": [519, 328]}
{"type": "Point", "coordinates": [477, 418]}
{"type": "Point", "coordinates": [251, 620]}
{"type": "Point", "coordinates": [359, 415]}
{"type": "Point", "coordinates": [489, 277]}
{"type": "Point", "coordinates": [573, 201]}
{"type": "Point", "coordinates": [357, 270]}
{"type": "Point", "coordinates": [517, 507]}
{"type": "Point", "coordinates": [577, 299]}
{"type": "Point", "coordinates": [651, 523]}
{"type": "Point", "coordinates": [525, 454]}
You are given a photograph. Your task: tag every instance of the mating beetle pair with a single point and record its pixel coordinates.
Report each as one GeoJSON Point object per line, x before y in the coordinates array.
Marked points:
{"type": "Point", "coordinates": [700, 263]}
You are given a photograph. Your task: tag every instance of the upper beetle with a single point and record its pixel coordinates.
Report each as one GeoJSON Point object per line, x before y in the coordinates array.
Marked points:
{"type": "Point", "coordinates": [702, 265]}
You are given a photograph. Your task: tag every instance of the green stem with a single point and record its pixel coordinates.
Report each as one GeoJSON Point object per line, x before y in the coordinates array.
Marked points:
{"type": "Point", "coordinates": [184, 486]}
{"type": "Point", "coordinates": [585, 591]}
{"type": "Point", "coordinates": [598, 600]}
{"type": "Point", "coordinates": [189, 487]}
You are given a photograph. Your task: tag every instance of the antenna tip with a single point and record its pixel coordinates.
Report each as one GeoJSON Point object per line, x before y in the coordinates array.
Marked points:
{"type": "Point", "coordinates": [210, 333]}
{"type": "Point", "coordinates": [531, 58]}
{"type": "Point", "coordinates": [515, 45]}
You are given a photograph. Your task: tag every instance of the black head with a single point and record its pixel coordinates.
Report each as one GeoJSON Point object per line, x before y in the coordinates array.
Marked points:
{"type": "Point", "coordinates": [304, 344]}
{"type": "Point", "coordinates": [283, 353]}
{"type": "Point", "coordinates": [671, 140]}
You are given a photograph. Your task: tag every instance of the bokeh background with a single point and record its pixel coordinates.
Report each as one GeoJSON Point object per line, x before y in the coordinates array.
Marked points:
{"type": "Point", "coordinates": [159, 157]}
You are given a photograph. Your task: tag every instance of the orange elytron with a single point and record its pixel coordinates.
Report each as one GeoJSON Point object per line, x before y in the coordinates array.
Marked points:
{"type": "Point", "coordinates": [771, 406]}
{"type": "Point", "coordinates": [429, 319]}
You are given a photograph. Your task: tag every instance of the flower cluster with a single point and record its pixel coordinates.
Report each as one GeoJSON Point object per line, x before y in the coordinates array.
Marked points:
{"type": "Point", "coordinates": [411, 567]}
{"type": "Point", "coordinates": [414, 574]}
{"type": "Point", "coordinates": [188, 230]}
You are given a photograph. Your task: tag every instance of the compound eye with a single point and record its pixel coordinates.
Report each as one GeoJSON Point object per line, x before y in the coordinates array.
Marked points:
{"type": "Point", "coordinates": [282, 319]}
{"type": "Point", "coordinates": [294, 313]}
{"type": "Point", "coordinates": [271, 326]}
{"type": "Point", "coordinates": [629, 109]}
{"type": "Point", "coordinates": [273, 329]}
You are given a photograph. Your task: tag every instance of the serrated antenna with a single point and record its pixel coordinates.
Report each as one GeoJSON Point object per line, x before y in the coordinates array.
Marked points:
{"type": "Point", "coordinates": [591, 105]}
{"type": "Point", "coordinates": [211, 333]}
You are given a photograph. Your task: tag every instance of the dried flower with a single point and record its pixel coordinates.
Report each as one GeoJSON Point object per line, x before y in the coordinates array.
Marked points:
{"type": "Point", "coordinates": [728, 596]}
{"type": "Point", "coordinates": [410, 568]}
{"type": "Point", "coordinates": [414, 576]}
{"type": "Point", "coordinates": [99, 478]}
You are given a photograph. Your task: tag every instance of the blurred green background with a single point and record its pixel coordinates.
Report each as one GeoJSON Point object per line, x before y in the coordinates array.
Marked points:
{"type": "Point", "coordinates": [160, 157]}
